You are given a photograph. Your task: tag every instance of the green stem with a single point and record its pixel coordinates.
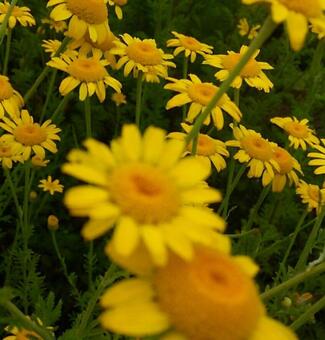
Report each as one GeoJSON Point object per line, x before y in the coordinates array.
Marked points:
{"type": "Point", "coordinates": [310, 312]}
{"type": "Point", "coordinates": [5, 20]}
{"type": "Point", "coordinates": [318, 269]}
{"type": "Point", "coordinates": [224, 206]}
{"type": "Point", "coordinates": [26, 322]}
{"type": "Point", "coordinates": [61, 106]}
{"type": "Point", "coordinates": [301, 264]}
{"type": "Point", "coordinates": [14, 195]}
{"type": "Point", "coordinates": [88, 117]}
{"type": "Point", "coordinates": [138, 99]}
{"type": "Point", "coordinates": [90, 265]}
{"type": "Point", "coordinates": [185, 71]}
{"type": "Point", "coordinates": [48, 94]}
{"type": "Point", "coordinates": [264, 33]}
{"type": "Point", "coordinates": [7, 53]}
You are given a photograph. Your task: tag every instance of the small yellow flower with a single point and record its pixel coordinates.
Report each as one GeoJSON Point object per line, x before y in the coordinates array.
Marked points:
{"type": "Point", "coordinates": [37, 161]}
{"type": "Point", "coordinates": [58, 26]}
{"type": "Point", "coordinates": [318, 27]}
{"type": "Point", "coordinates": [312, 195]}
{"type": "Point", "coordinates": [199, 94]}
{"type": "Point", "coordinates": [189, 45]}
{"type": "Point", "coordinates": [296, 14]}
{"type": "Point", "coordinates": [51, 46]}
{"type": "Point", "coordinates": [252, 73]}
{"type": "Point", "coordinates": [88, 72]}
{"type": "Point", "coordinates": [118, 4]}
{"type": "Point", "coordinates": [52, 222]}
{"type": "Point", "coordinates": [209, 150]}
{"type": "Point", "coordinates": [10, 151]}
{"type": "Point", "coordinates": [298, 131]}
{"type": "Point", "coordinates": [10, 100]}
{"type": "Point", "coordinates": [32, 136]}
{"type": "Point", "coordinates": [244, 29]}
{"type": "Point", "coordinates": [118, 98]}
{"type": "Point", "coordinates": [50, 185]}
{"type": "Point", "coordinates": [20, 14]}
{"type": "Point", "coordinates": [319, 158]}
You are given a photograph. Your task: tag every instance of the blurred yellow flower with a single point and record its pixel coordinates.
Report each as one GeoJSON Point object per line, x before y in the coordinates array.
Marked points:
{"type": "Point", "coordinates": [20, 14]}
{"type": "Point", "coordinates": [52, 186]}
{"type": "Point", "coordinates": [10, 100]}
{"type": "Point", "coordinates": [318, 27]}
{"type": "Point", "coordinates": [58, 26]}
{"type": "Point", "coordinates": [118, 98]}
{"type": "Point", "coordinates": [312, 195]}
{"type": "Point", "coordinates": [10, 151]}
{"type": "Point", "coordinates": [51, 46]}
{"type": "Point", "coordinates": [244, 29]}
{"type": "Point", "coordinates": [319, 158]}
{"type": "Point", "coordinates": [118, 4]}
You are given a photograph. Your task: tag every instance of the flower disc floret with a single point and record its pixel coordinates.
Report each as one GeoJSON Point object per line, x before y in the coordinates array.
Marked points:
{"type": "Point", "coordinates": [257, 147]}
{"type": "Point", "coordinates": [91, 11]}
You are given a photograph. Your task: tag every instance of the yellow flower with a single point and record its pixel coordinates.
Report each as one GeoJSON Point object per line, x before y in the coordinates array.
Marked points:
{"type": "Point", "coordinates": [213, 296]}
{"type": "Point", "coordinates": [141, 55]}
{"type": "Point", "coordinates": [319, 158]}
{"type": "Point", "coordinates": [199, 95]}
{"type": "Point", "coordinates": [88, 72]}
{"type": "Point", "coordinates": [32, 136]}
{"type": "Point", "coordinates": [209, 150]}
{"type": "Point", "coordinates": [257, 152]}
{"type": "Point", "coordinates": [298, 131]}
{"type": "Point", "coordinates": [10, 151]}
{"type": "Point", "coordinates": [296, 14]}
{"type": "Point", "coordinates": [10, 100]}
{"type": "Point", "coordinates": [50, 185]}
{"type": "Point", "coordinates": [318, 27]}
{"type": "Point", "coordinates": [312, 195]}
{"type": "Point", "coordinates": [142, 188]}
{"type": "Point", "coordinates": [118, 98]}
{"type": "Point", "coordinates": [252, 73]}
{"type": "Point", "coordinates": [20, 14]}
{"type": "Point", "coordinates": [288, 165]}
{"type": "Point", "coordinates": [244, 29]}
{"type": "Point", "coordinates": [51, 46]}
{"type": "Point", "coordinates": [53, 222]}
{"type": "Point", "coordinates": [189, 45]}
{"type": "Point", "coordinates": [85, 16]}
{"type": "Point", "coordinates": [58, 26]}
{"type": "Point", "coordinates": [118, 4]}
{"type": "Point", "coordinates": [37, 161]}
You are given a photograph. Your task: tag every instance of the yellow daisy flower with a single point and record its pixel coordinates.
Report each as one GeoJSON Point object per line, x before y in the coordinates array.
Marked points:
{"type": "Point", "coordinates": [85, 16]}
{"type": "Point", "coordinates": [244, 29]}
{"type": "Point", "coordinates": [10, 100]}
{"type": "Point", "coordinates": [141, 55]}
{"type": "Point", "coordinates": [20, 14]}
{"type": "Point", "coordinates": [32, 136]}
{"type": "Point", "coordinates": [288, 165]}
{"type": "Point", "coordinates": [312, 195]}
{"type": "Point", "coordinates": [51, 46]}
{"type": "Point", "coordinates": [119, 98]}
{"type": "Point", "coordinates": [296, 14]}
{"type": "Point", "coordinates": [252, 73]}
{"type": "Point", "coordinates": [319, 158]}
{"type": "Point", "coordinates": [118, 4]}
{"type": "Point", "coordinates": [50, 185]}
{"type": "Point", "coordinates": [298, 131]}
{"type": "Point", "coordinates": [199, 94]}
{"type": "Point", "coordinates": [58, 26]}
{"type": "Point", "coordinates": [88, 72]}
{"type": "Point", "coordinates": [189, 45]}
{"type": "Point", "coordinates": [193, 300]}
{"type": "Point", "coordinates": [10, 151]}
{"type": "Point", "coordinates": [142, 188]}
{"type": "Point", "coordinates": [257, 152]}
{"type": "Point", "coordinates": [209, 150]}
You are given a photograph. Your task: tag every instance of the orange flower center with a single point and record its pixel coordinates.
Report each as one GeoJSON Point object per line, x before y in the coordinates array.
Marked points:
{"type": "Point", "coordinates": [5, 150]}
{"type": "Point", "coordinates": [144, 53]}
{"type": "Point", "coordinates": [251, 69]}
{"type": "Point", "coordinates": [87, 70]}
{"type": "Point", "coordinates": [90, 11]}
{"type": "Point", "coordinates": [203, 93]}
{"type": "Point", "coordinates": [190, 43]}
{"type": "Point", "coordinates": [313, 192]}
{"type": "Point", "coordinates": [257, 147]}
{"type": "Point", "coordinates": [205, 146]}
{"type": "Point", "coordinates": [6, 90]}
{"type": "Point", "coordinates": [145, 193]}
{"type": "Point", "coordinates": [30, 134]}
{"type": "Point", "coordinates": [207, 296]}
{"type": "Point", "coordinates": [309, 8]}
{"type": "Point", "coordinates": [296, 129]}
{"type": "Point", "coordinates": [284, 160]}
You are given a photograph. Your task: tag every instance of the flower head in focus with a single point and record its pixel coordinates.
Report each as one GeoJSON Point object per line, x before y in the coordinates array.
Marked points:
{"type": "Point", "coordinates": [52, 186]}
{"type": "Point", "coordinates": [20, 14]}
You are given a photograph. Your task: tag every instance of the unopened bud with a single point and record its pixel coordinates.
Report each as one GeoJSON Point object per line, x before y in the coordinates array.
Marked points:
{"type": "Point", "coordinates": [33, 196]}
{"type": "Point", "coordinates": [52, 223]}
{"type": "Point", "coordinates": [286, 302]}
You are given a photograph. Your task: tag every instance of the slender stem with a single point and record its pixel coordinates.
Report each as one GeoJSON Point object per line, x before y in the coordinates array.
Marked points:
{"type": "Point", "coordinates": [310, 241]}
{"type": "Point", "coordinates": [264, 33]}
{"type": "Point", "coordinates": [7, 53]}
{"type": "Point", "coordinates": [88, 117]}
{"type": "Point", "coordinates": [90, 265]}
{"type": "Point", "coordinates": [194, 145]}
{"type": "Point", "coordinates": [5, 20]}
{"type": "Point", "coordinates": [61, 106]}
{"type": "Point", "coordinates": [225, 201]}
{"type": "Point", "coordinates": [14, 195]}
{"type": "Point", "coordinates": [320, 268]}
{"type": "Point", "coordinates": [185, 71]}
{"type": "Point", "coordinates": [310, 312]}
{"type": "Point", "coordinates": [26, 322]}
{"type": "Point", "coordinates": [138, 99]}
{"type": "Point", "coordinates": [48, 94]}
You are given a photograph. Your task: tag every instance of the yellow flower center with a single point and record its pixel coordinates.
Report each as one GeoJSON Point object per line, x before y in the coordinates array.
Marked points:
{"type": "Point", "coordinates": [296, 129]}
{"type": "Point", "coordinates": [90, 11]}
{"type": "Point", "coordinates": [203, 93]}
{"type": "Point", "coordinates": [284, 160]}
{"type": "Point", "coordinates": [87, 70]}
{"type": "Point", "coordinates": [144, 53]}
{"type": "Point", "coordinates": [205, 146]}
{"type": "Point", "coordinates": [5, 150]}
{"type": "Point", "coordinates": [251, 69]}
{"type": "Point", "coordinates": [30, 134]}
{"type": "Point", "coordinates": [190, 43]}
{"type": "Point", "coordinates": [257, 147]}
{"type": "Point", "coordinates": [207, 296]}
{"type": "Point", "coordinates": [313, 192]}
{"type": "Point", "coordinates": [145, 193]}
{"type": "Point", "coordinates": [309, 8]}
{"type": "Point", "coordinates": [6, 90]}
{"type": "Point", "coordinates": [120, 2]}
